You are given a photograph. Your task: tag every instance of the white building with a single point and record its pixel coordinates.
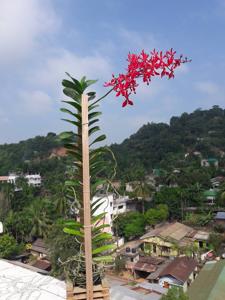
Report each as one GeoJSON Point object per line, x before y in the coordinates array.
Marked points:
{"type": "Point", "coordinates": [33, 179]}
{"type": "Point", "coordinates": [111, 206]}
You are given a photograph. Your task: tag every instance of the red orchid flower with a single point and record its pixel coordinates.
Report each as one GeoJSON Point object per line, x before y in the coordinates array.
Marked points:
{"type": "Point", "coordinates": [144, 66]}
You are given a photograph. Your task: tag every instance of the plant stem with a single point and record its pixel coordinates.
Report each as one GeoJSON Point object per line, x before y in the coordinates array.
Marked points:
{"type": "Point", "coordinates": [103, 96]}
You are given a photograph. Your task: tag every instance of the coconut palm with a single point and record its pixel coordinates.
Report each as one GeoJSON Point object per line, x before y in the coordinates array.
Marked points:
{"type": "Point", "coordinates": [143, 192]}
{"type": "Point", "coordinates": [38, 212]}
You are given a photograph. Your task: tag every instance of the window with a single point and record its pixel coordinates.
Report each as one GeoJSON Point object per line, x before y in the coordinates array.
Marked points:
{"type": "Point", "coordinates": [200, 244]}
{"type": "Point", "coordinates": [165, 249]}
{"type": "Point", "coordinates": [111, 204]}
{"type": "Point", "coordinates": [154, 248]}
{"type": "Point", "coordinates": [120, 206]}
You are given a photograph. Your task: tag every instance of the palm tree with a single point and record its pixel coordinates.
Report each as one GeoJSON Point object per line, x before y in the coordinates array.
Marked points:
{"type": "Point", "coordinates": [38, 213]}
{"type": "Point", "coordinates": [143, 192]}
{"type": "Point", "coordinates": [61, 203]}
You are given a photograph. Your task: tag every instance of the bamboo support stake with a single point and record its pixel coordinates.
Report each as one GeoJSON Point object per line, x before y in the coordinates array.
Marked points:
{"type": "Point", "coordinates": [86, 199]}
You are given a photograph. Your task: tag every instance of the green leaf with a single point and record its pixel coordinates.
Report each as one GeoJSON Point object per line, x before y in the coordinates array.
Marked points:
{"type": "Point", "coordinates": [72, 94]}
{"type": "Point", "coordinates": [68, 84]}
{"type": "Point", "coordinates": [77, 124]}
{"type": "Point", "coordinates": [92, 122]}
{"type": "Point", "coordinates": [73, 224]}
{"type": "Point", "coordinates": [93, 115]}
{"type": "Point", "coordinates": [91, 107]}
{"type": "Point", "coordinates": [103, 249]}
{"type": "Point", "coordinates": [104, 258]}
{"type": "Point", "coordinates": [77, 83]}
{"type": "Point", "coordinates": [77, 116]}
{"type": "Point", "coordinates": [95, 208]}
{"type": "Point", "coordinates": [100, 227]}
{"type": "Point", "coordinates": [93, 130]}
{"type": "Point", "coordinates": [66, 135]}
{"type": "Point", "coordinates": [94, 219]}
{"type": "Point", "coordinates": [74, 104]}
{"type": "Point", "coordinates": [90, 82]}
{"type": "Point", "coordinates": [101, 236]}
{"type": "Point", "coordinates": [73, 232]}
{"type": "Point", "coordinates": [99, 139]}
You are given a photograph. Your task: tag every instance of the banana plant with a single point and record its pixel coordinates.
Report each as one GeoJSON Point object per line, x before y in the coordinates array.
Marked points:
{"type": "Point", "coordinates": [99, 166]}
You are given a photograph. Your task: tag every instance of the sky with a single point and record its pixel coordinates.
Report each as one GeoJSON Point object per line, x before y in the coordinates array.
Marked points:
{"type": "Point", "coordinates": [40, 40]}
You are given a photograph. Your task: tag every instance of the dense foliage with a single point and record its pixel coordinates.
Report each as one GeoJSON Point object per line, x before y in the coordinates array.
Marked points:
{"type": "Point", "coordinates": [164, 145]}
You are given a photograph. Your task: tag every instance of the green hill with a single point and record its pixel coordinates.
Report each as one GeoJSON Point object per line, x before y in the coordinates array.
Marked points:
{"type": "Point", "coordinates": [154, 145]}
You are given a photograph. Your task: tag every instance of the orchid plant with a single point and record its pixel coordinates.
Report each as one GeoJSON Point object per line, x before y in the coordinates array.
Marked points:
{"type": "Point", "coordinates": [140, 66]}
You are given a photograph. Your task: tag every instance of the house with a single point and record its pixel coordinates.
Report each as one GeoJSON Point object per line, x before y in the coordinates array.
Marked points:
{"type": "Point", "coordinates": [147, 265]}
{"type": "Point", "coordinates": [217, 181]}
{"type": "Point", "coordinates": [120, 290]}
{"type": "Point", "coordinates": [209, 285]}
{"type": "Point", "coordinates": [220, 218]}
{"type": "Point", "coordinates": [32, 179]}
{"type": "Point", "coordinates": [39, 249]}
{"type": "Point", "coordinates": [112, 206]}
{"type": "Point", "coordinates": [130, 251]}
{"type": "Point", "coordinates": [171, 239]}
{"type": "Point", "coordinates": [210, 162]}
{"type": "Point", "coordinates": [180, 273]}
{"type": "Point", "coordinates": [210, 196]}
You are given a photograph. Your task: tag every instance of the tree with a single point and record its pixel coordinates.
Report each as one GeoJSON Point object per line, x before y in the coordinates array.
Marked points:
{"type": "Point", "coordinates": [156, 215]}
{"type": "Point", "coordinates": [8, 246]}
{"type": "Point", "coordinates": [142, 191]}
{"type": "Point", "coordinates": [215, 241]}
{"type": "Point", "coordinates": [19, 224]}
{"type": "Point", "coordinates": [134, 228]}
{"type": "Point", "coordinates": [61, 247]}
{"type": "Point", "coordinates": [129, 225]}
{"type": "Point", "coordinates": [39, 213]}
{"type": "Point", "coordinates": [175, 294]}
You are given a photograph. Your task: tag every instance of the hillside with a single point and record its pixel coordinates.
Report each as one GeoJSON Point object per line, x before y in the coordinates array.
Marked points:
{"type": "Point", "coordinates": [153, 145]}
{"type": "Point", "coordinates": [160, 144]}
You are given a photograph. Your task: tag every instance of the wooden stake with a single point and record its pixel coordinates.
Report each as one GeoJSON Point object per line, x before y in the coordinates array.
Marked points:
{"type": "Point", "coordinates": [86, 199]}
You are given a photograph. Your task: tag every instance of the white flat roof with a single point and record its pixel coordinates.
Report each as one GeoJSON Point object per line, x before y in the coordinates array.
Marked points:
{"type": "Point", "coordinates": [18, 283]}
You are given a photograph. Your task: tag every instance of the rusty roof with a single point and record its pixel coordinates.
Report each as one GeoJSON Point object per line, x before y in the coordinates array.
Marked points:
{"type": "Point", "coordinates": [145, 267]}
{"type": "Point", "coordinates": [39, 246]}
{"type": "Point", "coordinates": [180, 268]}
{"type": "Point", "coordinates": [42, 264]}
{"type": "Point", "coordinates": [176, 232]}
{"type": "Point", "coordinates": [152, 260]}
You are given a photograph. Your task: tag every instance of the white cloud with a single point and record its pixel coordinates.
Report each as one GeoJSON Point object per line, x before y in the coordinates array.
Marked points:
{"type": "Point", "coordinates": [53, 70]}
{"type": "Point", "coordinates": [22, 24]}
{"type": "Point", "coordinates": [35, 102]}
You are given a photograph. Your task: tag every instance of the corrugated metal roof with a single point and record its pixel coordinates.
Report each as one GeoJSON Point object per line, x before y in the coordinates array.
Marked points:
{"type": "Point", "coordinates": [180, 268]}
{"type": "Point", "coordinates": [220, 215]}
{"type": "Point", "coordinates": [145, 267]}
{"type": "Point", "coordinates": [175, 231]}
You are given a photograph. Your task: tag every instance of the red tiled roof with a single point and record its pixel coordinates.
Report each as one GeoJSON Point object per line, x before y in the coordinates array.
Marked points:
{"type": "Point", "coordinates": [4, 178]}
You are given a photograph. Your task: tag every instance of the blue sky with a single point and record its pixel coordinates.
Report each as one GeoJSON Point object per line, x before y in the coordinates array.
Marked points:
{"type": "Point", "coordinates": [42, 39]}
